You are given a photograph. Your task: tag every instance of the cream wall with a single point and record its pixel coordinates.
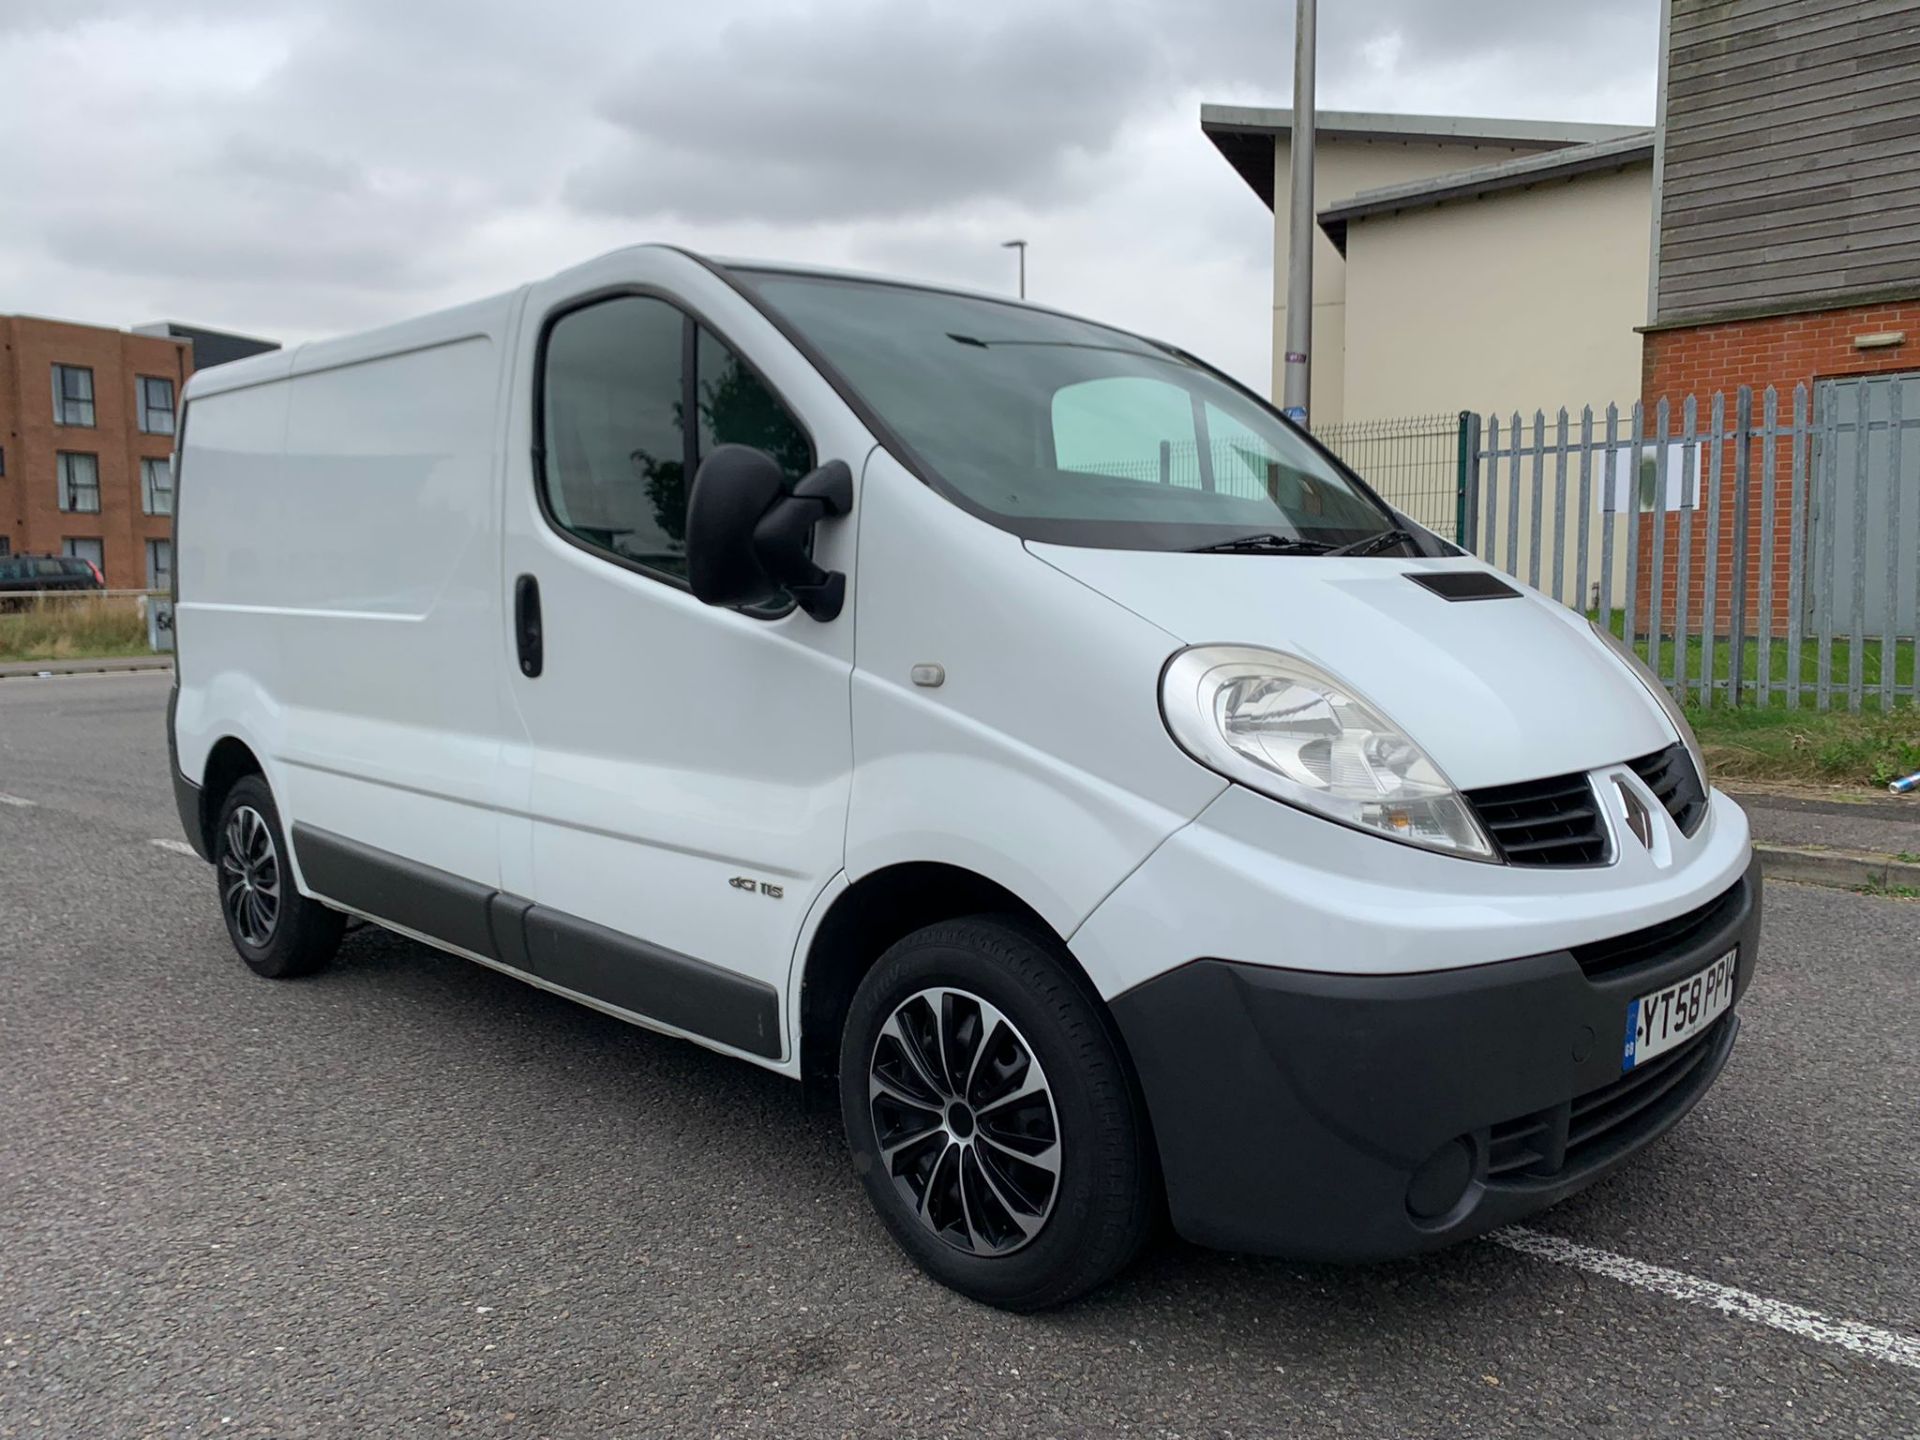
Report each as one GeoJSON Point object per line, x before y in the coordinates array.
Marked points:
{"type": "Point", "coordinates": [1518, 300]}
{"type": "Point", "coordinates": [1342, 168]}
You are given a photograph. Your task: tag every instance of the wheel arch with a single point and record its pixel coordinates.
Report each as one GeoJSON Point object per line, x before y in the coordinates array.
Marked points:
{"type": "Point", "coordinates": [885, 906]}
{"type": "Point", "coordinates": [230, 759]}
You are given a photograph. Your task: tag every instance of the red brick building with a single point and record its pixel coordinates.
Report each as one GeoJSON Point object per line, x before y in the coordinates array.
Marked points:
{"type": "Point", "coordinates": [87, 418]}
{"type": "Point", "coordinates": [1786, 229]}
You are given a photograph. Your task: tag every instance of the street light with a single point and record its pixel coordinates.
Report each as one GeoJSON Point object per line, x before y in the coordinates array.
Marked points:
{"type": "Point", "coordinates": [1021, 246]}
{"type": "Point", "coordinates": [1301, 229]}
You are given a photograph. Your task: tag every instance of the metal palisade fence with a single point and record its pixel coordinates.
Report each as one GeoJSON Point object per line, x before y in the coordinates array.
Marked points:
{"type": "Point", "coordinates": [1757, 549]}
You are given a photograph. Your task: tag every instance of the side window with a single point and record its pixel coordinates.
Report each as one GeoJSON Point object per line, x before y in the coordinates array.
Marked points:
{"type": "Point", "coordinates": [615, 454]}
{"type": "Point", "coordinates": [619, 378]}
{"type": "Point", "coordinates": [1126, 426]}
{"type": "Point", "coordinates": [736, 408]}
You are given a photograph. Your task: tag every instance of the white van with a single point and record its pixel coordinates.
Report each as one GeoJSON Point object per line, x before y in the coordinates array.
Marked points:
{"type": "Point", "coordinates": [1004, 720]}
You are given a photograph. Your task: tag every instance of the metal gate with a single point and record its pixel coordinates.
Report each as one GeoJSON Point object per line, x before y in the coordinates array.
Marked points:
{"type": "Point", "coordinates": [1866, 517]}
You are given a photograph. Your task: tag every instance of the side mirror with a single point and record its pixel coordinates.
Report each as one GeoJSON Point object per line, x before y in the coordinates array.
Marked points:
{"type": "Point", "coordinates": [747, 543]}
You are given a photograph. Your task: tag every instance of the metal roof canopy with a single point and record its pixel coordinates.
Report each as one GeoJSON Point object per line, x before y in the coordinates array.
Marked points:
{"type": "Point", "coordinates": [1245, 134]}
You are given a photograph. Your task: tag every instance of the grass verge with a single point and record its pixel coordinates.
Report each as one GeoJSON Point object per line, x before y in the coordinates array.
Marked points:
{"type": "Point", "coordinates": [83, 627]}
{"type": "Point", "coordinates": [1809, 747]}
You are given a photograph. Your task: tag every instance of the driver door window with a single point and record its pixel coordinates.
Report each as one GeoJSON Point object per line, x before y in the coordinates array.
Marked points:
{"type": "Point", "coordinates": [618, 459]}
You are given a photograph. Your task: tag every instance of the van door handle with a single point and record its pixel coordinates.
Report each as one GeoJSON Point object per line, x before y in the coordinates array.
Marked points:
{"type": "Point", "coordinates": [526, 626]}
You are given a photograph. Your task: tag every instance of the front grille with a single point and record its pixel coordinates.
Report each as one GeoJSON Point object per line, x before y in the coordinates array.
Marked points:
{"type": "Point", "coordinates": [1543, 822]}
{"type": "Point", "coordinates": [1670, 774]}
{"type": "Point", "coordinates": [1661, 941]}
{"type": "Point", "coordinates": [1586, 1130]}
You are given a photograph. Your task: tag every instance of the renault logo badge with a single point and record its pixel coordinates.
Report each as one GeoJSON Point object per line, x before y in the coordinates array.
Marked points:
{"type": "Point", "coordinates": [1639, 818]}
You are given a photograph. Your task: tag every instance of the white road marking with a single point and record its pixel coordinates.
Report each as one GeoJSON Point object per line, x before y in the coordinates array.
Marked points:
{"type": "Point", "coordinates": [17, 801]}
{"type": "Point", "coordinates": [178, 847]}
{"type": "Point", "coordinates": [1868, 1340]}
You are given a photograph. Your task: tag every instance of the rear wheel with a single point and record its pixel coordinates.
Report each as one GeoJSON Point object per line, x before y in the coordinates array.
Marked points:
{"type": "Point", "coordinates": [991, 1116]}
{"type": "Point", "coordinates": [278, 931]}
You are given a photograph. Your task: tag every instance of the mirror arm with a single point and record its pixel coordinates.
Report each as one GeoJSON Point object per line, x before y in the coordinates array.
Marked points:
{"type": "Point", "coordinates": [780, 539]}
{"type": "Point", "coordinates": [831, 485]}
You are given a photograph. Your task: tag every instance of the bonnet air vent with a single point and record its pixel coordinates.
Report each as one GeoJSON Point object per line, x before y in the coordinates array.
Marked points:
{"type": "Point", "coordinates": [1463, 584]}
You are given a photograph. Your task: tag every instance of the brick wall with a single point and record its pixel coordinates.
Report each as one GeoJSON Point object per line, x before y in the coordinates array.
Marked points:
{"type": "Point", "coordinates": [1782, 351]}
{"type": "Point", "coordinates": [30, 514]}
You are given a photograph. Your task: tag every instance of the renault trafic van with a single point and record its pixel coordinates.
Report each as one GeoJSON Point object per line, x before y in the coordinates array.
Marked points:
{"type": "Point", "coordinates": [1002, 720]}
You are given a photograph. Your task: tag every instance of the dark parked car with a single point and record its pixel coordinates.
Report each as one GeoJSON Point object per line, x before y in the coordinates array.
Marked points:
{"type": "Point", "coordinates": [23, 575]}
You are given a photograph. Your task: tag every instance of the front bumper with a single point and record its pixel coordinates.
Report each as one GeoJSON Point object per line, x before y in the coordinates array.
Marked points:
{"type": "Point", "coordinates": [1361, 1117]}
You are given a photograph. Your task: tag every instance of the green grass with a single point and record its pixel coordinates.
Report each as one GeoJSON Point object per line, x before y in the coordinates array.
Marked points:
{"type": "Point", "coordinates": [83, 627]}
{"type": "Point", "coordinates": [1778, 656]}
{"type": "Point", "coordinates": [1806, 746]}
{"type": "Point", "coordinates": [1764, 740]}
{"type": "Point", "coordinates": [1888, 892]}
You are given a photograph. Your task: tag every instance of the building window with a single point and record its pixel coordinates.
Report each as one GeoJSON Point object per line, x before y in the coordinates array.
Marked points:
{"type": "Point", "coordinates": [6, 545]}
{"type": "Point", "coordinates": [156, 405]}
{"type": "Point", "coordinates": [156, 486]}
{"type": "Point", "coordinates": [72, 395]}
{"type": "Point", "coordinates": [89, 548]}
{"type": "Point", "coordinates": [79, 482]}
{"type": "Point", "coordinates": [159, 564]}
{"type": "Point", "coordinates": [3, 462]}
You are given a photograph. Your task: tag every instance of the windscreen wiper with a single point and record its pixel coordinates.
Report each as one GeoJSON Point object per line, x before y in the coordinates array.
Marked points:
{"type": "Point", "coordinates": [1374, 544]}
{"type": "Point", "coordinates": [1262, 545]}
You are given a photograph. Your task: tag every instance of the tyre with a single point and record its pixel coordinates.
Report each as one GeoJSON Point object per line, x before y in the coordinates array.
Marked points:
{"type": "Point", "coordinates": [992, 1117]}
{"type": "Point", "coordinates": [279, 932]}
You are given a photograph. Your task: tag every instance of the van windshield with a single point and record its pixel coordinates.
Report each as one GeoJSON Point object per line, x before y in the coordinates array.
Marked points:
{"type": "Point", "coordinates": [1066, 431]}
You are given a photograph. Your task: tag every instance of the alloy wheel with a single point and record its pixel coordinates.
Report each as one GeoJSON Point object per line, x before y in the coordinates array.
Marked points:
{"type": "Point", "coordinates": [250, 877]}
{"type": "Point", "coordinates": [965, 1121]}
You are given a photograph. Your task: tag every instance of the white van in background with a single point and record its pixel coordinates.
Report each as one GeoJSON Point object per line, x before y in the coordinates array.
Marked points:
{"type": "Point", "coordinates": [1005, 720]}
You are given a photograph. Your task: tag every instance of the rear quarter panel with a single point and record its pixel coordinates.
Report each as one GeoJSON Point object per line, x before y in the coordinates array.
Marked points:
{"type": "Point", "coordinates": [340, 593]}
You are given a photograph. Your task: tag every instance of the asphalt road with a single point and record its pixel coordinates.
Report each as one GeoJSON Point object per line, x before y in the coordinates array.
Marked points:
{"type": "Point", "coordinates": [411, 1196]}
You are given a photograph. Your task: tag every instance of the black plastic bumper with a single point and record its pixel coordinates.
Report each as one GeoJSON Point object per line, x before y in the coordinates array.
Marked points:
{"type": "Point", "coordinates": [1318, 1116]}
{"type": "Point", "coordinates": [186, 794]}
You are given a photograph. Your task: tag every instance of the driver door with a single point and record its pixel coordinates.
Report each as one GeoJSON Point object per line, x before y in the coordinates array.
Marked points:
{"type": "Point", "coordinates": [688, 766]}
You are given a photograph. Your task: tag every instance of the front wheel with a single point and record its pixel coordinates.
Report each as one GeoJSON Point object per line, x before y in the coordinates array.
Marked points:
{"type": "Point", "coordinates": [991, 1116]}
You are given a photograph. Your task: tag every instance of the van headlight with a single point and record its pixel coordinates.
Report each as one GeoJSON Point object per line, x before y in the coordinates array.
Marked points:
{"type": "Point", "coordinates": [1287, 728]}
{"type": "Point", "coordinates": [1659, 692]}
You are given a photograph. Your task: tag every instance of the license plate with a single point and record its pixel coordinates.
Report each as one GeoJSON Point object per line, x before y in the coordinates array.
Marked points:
{"type": "Point", "coordinates": [1672, 1016]}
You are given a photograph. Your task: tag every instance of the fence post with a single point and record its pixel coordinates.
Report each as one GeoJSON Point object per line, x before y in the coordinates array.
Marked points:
{"type": "Point", "coordinates": [1467, 484]}
{"type": "Point", "coordinates": [1769, 436]}
{"type": "Point", "coordinates": [1742, 468]}
{"type": "Point", "coordinates": [1889, 629]}
{"type": "Point", "coordinates": [1710, 487]}
{"type": "Point", "coordinates": [1803, 423]}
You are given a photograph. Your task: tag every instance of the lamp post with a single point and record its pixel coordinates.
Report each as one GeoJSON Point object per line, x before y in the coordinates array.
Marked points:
{"type": "Point", "coordinates": [1299, 340]}
{"type": "Point", "coordinates": [1021, 246]}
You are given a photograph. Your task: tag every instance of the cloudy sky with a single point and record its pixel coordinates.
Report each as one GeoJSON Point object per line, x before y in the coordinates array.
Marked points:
{"type": "Point", "coordinates": [296, 168]}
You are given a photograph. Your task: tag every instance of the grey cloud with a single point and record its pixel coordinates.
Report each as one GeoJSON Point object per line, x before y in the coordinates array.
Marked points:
{"type": "Point", "coordinates": [318, 164]}
{"type": "Point", "coordinates": [264, 163]}
{"type": "Point", "coordinates": [262, 253]}
{"type": "Point", "coordinates": [877, 112]}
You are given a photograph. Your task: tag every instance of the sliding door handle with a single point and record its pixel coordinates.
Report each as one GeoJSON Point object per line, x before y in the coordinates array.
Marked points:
{"type": "Point", "coordinates": [527, 632]}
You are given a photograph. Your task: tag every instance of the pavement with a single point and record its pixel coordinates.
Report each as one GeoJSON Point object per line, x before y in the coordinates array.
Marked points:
{"type": "Point", "coordinates": [1885, 823]}
{"type": "Point", "coordinates": [101, 665]}
{"type": "Point", "coordinates": [1863, 840]}
{"type": "Point", "coordinates": [411, 1196]}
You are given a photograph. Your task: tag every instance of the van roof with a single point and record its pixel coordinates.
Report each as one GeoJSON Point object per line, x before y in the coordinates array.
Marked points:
{"type": "Point", "coordinates": [482, 317]}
